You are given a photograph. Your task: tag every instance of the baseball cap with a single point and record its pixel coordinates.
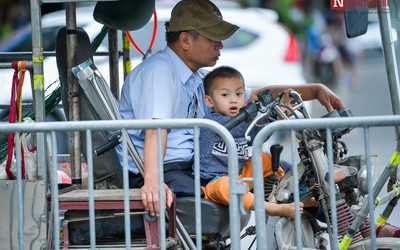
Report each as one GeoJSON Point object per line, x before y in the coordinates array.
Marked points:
{"type": "Point", "coordinates": [202, 16]}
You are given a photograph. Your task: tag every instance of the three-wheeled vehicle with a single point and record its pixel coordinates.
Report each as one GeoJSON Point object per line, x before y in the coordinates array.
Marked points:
{"type": "Point", "coordinates": [106, 214]}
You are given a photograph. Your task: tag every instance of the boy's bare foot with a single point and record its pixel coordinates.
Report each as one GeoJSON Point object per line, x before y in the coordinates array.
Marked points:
{"type": "Point", "coordinates": [387, 230]}
{"type": "Point", "coordinates": [288, 210]}
{"type": "Point", "coordinates": [311, 203]}
{"type": "Point", "coordinates": [338, 175]}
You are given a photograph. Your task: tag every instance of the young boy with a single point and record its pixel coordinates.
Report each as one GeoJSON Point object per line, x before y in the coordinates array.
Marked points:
{"type": "Point", "coordinates": [225, 94]}
{"type": "Point", "coordinates": [224, 89]}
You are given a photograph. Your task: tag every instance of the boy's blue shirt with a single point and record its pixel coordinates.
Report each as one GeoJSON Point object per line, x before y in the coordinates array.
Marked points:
{"type": "Point", "coordinates": [213, 150]}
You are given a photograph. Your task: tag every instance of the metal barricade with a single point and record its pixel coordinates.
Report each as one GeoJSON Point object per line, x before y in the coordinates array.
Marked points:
{"type": "Point", "coordinates": [327, 125]}
{"type": "Point", "coordinates": [34, 238]}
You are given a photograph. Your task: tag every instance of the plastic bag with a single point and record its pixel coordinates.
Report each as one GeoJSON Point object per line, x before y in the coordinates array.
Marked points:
{"type": "Point", "coordinates": [29, 158]}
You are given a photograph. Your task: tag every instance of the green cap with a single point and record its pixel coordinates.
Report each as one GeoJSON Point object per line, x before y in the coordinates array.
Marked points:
{"type": "Point", "coordinates": [202, 16]}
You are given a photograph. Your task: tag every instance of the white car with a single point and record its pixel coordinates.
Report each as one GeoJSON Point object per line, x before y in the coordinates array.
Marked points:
{"type": "Point", "coordinates": [21, 41]}
{"type": "Point", "coordinates": [371, 41]}
{"type": "Point", "coordinates": [263, 50]}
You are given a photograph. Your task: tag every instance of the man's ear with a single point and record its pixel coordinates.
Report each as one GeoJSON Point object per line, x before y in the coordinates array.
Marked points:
{"type": "Point", "coordinates": [184, 40]}
{"type": "Point", "coordinates": [208, 101]}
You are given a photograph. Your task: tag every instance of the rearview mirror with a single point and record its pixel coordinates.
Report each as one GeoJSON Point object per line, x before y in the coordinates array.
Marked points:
{"type": "Point", "coordinates": [356, 19]}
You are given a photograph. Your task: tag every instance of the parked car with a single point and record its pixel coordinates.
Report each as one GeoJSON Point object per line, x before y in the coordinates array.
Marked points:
{"type": "Point", "coordinates": [371, 41]}
{"type": "Point", "coordinates": [21, 41]}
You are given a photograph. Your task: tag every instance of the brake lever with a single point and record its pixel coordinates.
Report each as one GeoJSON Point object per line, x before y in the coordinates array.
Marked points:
{"type": "Point", "coordinates": [260, 115]}
{"type": "Point", "coordinates": [263, 112]}
{"type": "Point", "coordinates": [300, 104]}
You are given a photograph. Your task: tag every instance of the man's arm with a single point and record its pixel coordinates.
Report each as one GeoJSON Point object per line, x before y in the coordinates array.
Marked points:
{"type": "Point", "coordinates": [309, 91]}
{"type": "Point", "coordinates": [149, 191]}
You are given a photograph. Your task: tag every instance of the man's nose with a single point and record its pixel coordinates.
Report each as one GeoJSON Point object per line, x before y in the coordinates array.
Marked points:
{"type": "Point", "coordinates": [219, 45]}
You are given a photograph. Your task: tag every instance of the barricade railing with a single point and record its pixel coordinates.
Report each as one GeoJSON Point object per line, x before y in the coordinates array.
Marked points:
{"type": "Point", "coordinates": [327, 125]}
{"type": "Point", "coordinates": [86, 127]}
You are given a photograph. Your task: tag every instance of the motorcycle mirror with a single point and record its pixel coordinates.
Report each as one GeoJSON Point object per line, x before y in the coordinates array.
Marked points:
{"type": "Point", "coordinates": [356, 19]}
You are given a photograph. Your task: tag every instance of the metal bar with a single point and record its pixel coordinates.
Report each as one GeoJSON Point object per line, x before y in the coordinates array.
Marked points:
{"type": "Point", "coordinates": [332, 192]}
{"type": "Point", "coordinates": [296, 190]}
{"type": "Point", "coordinates": [258, 182]}
{"type": "Point", "coordinates": [89, 161]}
{"type": "Point", "coordinates": [29, 65]}
{"type": "Point", "coordinates": [370, 121]}
{"type": "Point", "coordinates": [197, 187]}
{"type": "Point", "coordinates": [161, 189]}
{"type": "Point", "coordinates": [371, 200]}
{"type": "Point", "coordinates": [20, 191]}
{"type": "Point", "coordinates": [54, 192]}
{"type": "Point", "coordinates": [125, 177]}
{"type": "Point", "coordinates": [234, 212]}
{"type": "Point", "coordinates": [27, 55]}
{"type": "Point", "coordinates": [84, 205]}
{"type": "Point", "coordinates": [390, 58]}
{"type": "Point", "coordinates": [38, 82]}
{"type": "Point", "coordinates": [73, 90]}
{"type": "Point", "coordinates": [113, 61]}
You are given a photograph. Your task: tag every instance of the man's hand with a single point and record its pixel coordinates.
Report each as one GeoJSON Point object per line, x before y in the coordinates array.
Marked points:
{"type": "Point", "coordinates": [286, 100]}
{"type": "Point", "coordinates": [149, 191]}
{"type": "Point", "coordinates": [309, 91]}
{"type": "Point", "coordinates": [151, 199]}
{"type": "Point", "coordinates": [328, 99]}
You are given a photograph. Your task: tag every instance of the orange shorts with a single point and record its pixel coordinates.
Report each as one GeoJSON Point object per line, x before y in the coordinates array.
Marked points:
{"type": "Point", "coordinates": [218, 190]}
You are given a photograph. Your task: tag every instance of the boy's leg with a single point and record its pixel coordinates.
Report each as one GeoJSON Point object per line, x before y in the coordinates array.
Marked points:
{"type": "Point", "coordinates": [247, 170]}
{"type": "Point", "coordinates": [218, 191]}
{"type": "Point", "coordinates": [269, 179]}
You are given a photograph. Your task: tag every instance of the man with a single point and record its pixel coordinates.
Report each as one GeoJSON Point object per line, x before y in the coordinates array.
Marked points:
{"type": "Point", "coordinates": [169, 85]}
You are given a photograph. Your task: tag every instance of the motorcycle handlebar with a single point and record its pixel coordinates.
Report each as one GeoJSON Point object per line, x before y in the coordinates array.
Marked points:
{"type": "Point", "coordinates": [113, 141]}
{"type": "Point", "coordinates": [249, 112]}
{"type": "Point", "coordinates": [245, 114]}
{"type": "Point", "coordinates": [105, 147]}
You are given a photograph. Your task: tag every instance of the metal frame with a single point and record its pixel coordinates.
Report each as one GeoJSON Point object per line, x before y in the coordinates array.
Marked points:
{"type": "Point", "coordinates": [50, 128]}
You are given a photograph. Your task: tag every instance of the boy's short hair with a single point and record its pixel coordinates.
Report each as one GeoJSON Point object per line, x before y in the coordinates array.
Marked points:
{"type": "Point", "coordinates": [220, 72]}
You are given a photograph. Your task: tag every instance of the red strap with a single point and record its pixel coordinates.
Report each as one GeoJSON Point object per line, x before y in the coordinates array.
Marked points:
{"type": "Point", "coordinates": [153, 36]}
{"type": "Point", "coordinates": [12, 119]}
{"type": "Point", "coordinates": [15, 110]}
{"type": "Point", "coordinates": [21, 70]}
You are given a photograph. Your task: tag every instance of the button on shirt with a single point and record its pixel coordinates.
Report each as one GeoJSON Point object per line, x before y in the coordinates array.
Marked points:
{"type": "Point", "coordinates": [163, 87]}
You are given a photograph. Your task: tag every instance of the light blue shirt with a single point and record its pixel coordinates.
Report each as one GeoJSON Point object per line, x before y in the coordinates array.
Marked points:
{"type": "Point", "coordinates": [163, 87]}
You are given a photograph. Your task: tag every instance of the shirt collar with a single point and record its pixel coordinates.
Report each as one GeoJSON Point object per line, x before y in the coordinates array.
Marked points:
{"type": "Point", "coordinates": [182, 69]}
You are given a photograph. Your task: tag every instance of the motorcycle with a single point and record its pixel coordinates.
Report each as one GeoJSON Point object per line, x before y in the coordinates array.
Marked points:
{"type": "Point", "coordinates": [350, 177]}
